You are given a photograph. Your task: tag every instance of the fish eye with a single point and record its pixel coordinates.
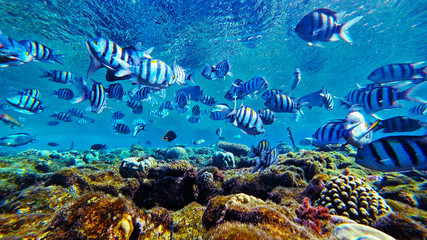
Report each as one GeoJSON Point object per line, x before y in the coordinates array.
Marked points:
{"type": "Point", "coordinates": [95, 42]}
{"type": "Point", "coordinates": [372, 74]}
{"type": "Point", "coordinates": [27, 53]}
{"type": "Point", "coordinates": [361, 157]}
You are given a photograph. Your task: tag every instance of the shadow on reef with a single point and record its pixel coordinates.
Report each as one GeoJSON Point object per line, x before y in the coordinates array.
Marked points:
{"type": "Point", "coordinates": [205, 193]}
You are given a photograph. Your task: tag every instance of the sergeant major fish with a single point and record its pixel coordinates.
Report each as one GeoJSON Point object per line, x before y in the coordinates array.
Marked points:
{"type": "Point", "coordinates": [25, 104]}
{"type": "Point", "coordinates": [394, 154]}
{"type": "Point", "coordinates": [150, 72]}
{"type": "Point", "coordinates": [322, 25]}
{"type": "Point", "coordinates": [217, 71]}
{"type": "Point", "coordinates": [96, 95]}
{"type": "Point", "coordinates": [41, 53]}
{"type": "Point", "coordinates": [58, 76]}
{"type": "Point", "coordinates": [247, 120]}
{"type": "Point", "coordinates": [398, 72]}
{"type": "Point", "coordinates": [266, 160]}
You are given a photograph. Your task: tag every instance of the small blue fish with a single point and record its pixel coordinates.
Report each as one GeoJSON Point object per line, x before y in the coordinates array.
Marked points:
{"type": "Point", "coordinates": [41, 53]}
{"type": "Point", "coordinates": [118, 115]}
{"type": "Point", "coordinates": [115, 91]}
{"type": "Point", "coordinates": [25, 103]}
{"type": "Point", "coordinates": [217, 71]}
{"type": "Point", "coordinates": [322, 25]}
{"type": "Point", "coordinates": [194, 119]}
{"type": "Point", "coordinates": [85, 121]}
{"type": "Point", "coordinates": [58, 76]}
{"type": "Point", "coordinates": [96, 95]}
{"type": "Point", "coordinates": [247, 120]}
{"type": "Point", "coordinates": [136, 106]}
{"type": "Point", "coordinates": [64, 93]}
{"type": "Point", "coordinates": [53, 123]}
{"type": "Point", "coordinates": [267, 116]}
{"type": "Point", "coordinates": [181, 99]}
{"type": "Point", "coordinates": [207, 100]}
{"type": "Point", "coordinates": [122, 128]}
{"type": "Point", "coordinates": [65, 117]}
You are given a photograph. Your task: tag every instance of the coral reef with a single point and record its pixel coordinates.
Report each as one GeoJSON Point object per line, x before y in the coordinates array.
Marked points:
{"type": "Point", "coordinates": [312, 216]}
{"type": "Point", "coordinates": [188, 222]}
{"type": "Point", "coordinates": [349, 196]}
{"type": "Point", "coordinates": [238, 150]}
{"type": "Point", "coordinates": [177, 153]}
{"type": "Point", "coordinates": [223, 160]}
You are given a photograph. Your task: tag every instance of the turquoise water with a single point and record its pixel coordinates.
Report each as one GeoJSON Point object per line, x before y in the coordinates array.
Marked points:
{"type": "Point", "coordinates": [255, 36]}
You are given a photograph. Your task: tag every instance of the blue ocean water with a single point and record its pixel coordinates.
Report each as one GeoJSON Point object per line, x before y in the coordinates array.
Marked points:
{"type": "Point", "coordinates": [256, 37]}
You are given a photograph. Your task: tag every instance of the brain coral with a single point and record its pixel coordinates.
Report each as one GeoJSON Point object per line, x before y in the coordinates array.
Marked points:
{"type": "Point", "coordinates": [348, 196]}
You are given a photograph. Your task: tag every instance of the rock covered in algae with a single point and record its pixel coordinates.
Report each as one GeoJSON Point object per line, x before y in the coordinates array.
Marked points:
{"type": "Point", "coordinates": [24, 214]}
{"type": "Point", "coordinates": [223, 160]}
{"type": "Point", "coordinates": [172, 186]}
{"type": "Point", "coordinates": [81, 181]}
{"type": "Point", "coordinates": [134, 166]}
{"type": "Point", "coordinates": [99, 216]}
{"type": "Point", "coordinates": [177, 153]}
{"type": "Point", "coordinates": [354, 231]}
{"type": "Point", "coordinates": [188, 222]}
{"type": "Point", "coordinates": [237, 149]}
{"type": "Point", "coordinates": [349, 196]}
{"type": "Point", "coordinates": [268, 219]}
{"type": "Point", "coordinates": [209, 182]}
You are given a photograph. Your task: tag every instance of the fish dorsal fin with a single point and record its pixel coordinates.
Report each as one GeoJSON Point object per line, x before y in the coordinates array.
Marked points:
{"type": "Point", "coordinates": [339, 16]}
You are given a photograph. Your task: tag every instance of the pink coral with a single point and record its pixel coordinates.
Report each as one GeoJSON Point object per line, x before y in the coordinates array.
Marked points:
{"type": "Point", "coordinates": [312, 216]}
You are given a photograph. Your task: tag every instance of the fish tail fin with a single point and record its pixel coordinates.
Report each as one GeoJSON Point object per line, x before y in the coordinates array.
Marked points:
{"type": "Point", "coordinates": [45, 73]}
{"type": "Point", "coordinates": [257, 166]}
{"type": "Point", "coordinates": [344, 34]}
{"type": "Point", "coordinates": [59, 58]}
{"type": "Point", "coordinates": [407, 94]}
{"type": "Point", "coordinates": [83, 89]}
{"type": "Point", "coordinates": [191, 78]}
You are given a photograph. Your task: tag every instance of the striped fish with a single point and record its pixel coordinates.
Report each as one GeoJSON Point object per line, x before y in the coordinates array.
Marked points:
{"type": "Point", "coordinates": [398, 72]}
{"type": "Point", "coordinates": [194, 119]}
{"type": "Point", "coordinates": [64, 93]}
{"type": "Point", "coordinates": [263, 146]}
{"type": "Point", "coordinates": [25, 103]}
{"type": "Point", "coordinates": [85, 121]}
{"type": "Point", "coordinates": [65, 117]}
{"type": "Point", "coordinates": [217, 71]}
{"type": "Point", "coordinates": [207, 100]}
{"type": "Point", "coordinates": [166, 105]}
{"type": "Point", "coordinates": [330, 133]}
{"type": "Point", "coordinates": [399, 124]}
{"type": "Point", "coordinates": [53, 123]}
{"type": "Point", "coordinates": [248, 120]}
{"type": "Point", "coordinates": [266, 160]}
{"type": "Point", "coordinates": [328, 99]}
{"type": "Point", "coordinates": [58, 76]}
{"type": "Point", "coordinates": [163, 113]}
{"type": "Point", "coordinates": [41, 53]}
{"type": "Point", "coordinates": [139, 121]}
{"type": "Point", "coordinates": [35, 93]}
{"type": "Point", "coordinates": [118, 115]}
{"type": "Point", "coordinates": [122, 128]}
{"type": "Point", "coordinates": [353, 98]}
{"type": "Point", "coordinates": [220, 111]}
{"type": "Point", "coordinates": [140, 94]}
{"type": "Point", "coordinates": [283, 103]}
{"type": "Point", "coordinates": [96, 95]}
{"type": "Point", "coordinates": [136, 106]}
{"type": "Point", "coordinates": [386, 97]}
{"type": "Point", "coordinates": [394, 154]}
{"type": "Point", "coordinates": [102, 53]}
{"type": "Point", "coordinates": [253, 86]}
{"type": "Point", "coordinates": [420, 109]}
{"type": "Point", "coordinates": [150, 72]}
{"type": "Point", "coordinates": [267, 116]}
{"type": "Point", "coordinates": [12, 53]}
{"type": "Point", "coordinates": [369, 86]}
{"type": "Point", "coordinates": [322, 25]}
{"type": "Point", "coordinates": [77, 112]}
{"type": "Point", "coordinates": [115, 91]}
{"type": "Point", "coordinates": [271, 92]}
{"type": "Point", "coordinates": [195, 111]}
{"type": "Point", "coordinates": [180, 100]}
{"type": "Point", "coordinates": [180, 76]}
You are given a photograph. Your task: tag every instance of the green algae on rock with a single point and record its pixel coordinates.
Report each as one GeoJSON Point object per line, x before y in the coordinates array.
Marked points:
{"type": "Point", "coordinates": [250, 211]}
{"type": "Point", "coordinates": [188, 222]}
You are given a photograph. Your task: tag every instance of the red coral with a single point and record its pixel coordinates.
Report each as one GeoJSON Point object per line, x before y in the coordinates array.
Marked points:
{"type": "Point", "coordinates": [312, 216]}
